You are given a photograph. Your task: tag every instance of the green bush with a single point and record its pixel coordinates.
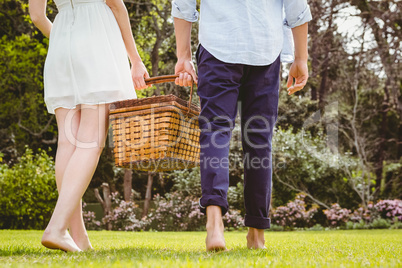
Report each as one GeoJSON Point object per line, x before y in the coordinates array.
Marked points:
{"type": "Point", "coordinates": [28, 192]}
{"type": "Point", "coordinates": [380, 224]}
{"type": "Point", "coordinates": [317, 227]}
{"type": "Point", "coordinates": [397, 224]}
{"type": "Point", "coordinates": [361, 225]}
{"type": "Point", "coordinates": [350, 225]}
{"type": "Point", "coordinates": [276, 228]}
{"type": "Point", "coordinates": [187, 182]}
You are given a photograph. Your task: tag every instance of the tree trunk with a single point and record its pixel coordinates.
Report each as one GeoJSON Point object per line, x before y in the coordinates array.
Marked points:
{"type": "Point", "coordinates": [382, 144]}
{"type": "Point", "coordinates": [148, 194]}
{"type": "Point", "coordinates": [314, 52]}
{"type": "Point", "coordinates": [127, 185]}
{"type": "Point", "coordinates": [368, 14]}
{"type": "Point", "coordinates": [155, 56]}
{"type": "Point", "coordinates": [106, 202]}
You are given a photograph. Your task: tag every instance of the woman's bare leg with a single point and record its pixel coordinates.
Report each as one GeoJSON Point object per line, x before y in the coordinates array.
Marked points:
{"type": "Point", "coordinates": [78, 173]}
{"type": "Point", "coordinates": [68, 122]}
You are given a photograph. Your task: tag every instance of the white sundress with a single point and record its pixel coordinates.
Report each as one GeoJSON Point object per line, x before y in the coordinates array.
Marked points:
{"type": "Point", "coordinates": [87, 60]}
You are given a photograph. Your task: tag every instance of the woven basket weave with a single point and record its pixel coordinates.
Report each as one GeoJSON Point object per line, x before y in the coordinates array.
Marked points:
{"type": "Point", "coordinates": [158, 133]}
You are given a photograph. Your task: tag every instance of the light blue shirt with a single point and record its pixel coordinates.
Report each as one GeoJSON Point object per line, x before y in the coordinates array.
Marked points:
{"type": "Point", "coordinates": [252, 32]}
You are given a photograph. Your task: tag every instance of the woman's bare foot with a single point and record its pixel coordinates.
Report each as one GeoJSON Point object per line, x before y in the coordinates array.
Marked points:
{"type": "Point", "coordinates": [255, 238]}
{"type": "Point", "coordinates": [82, 242]}
{"type": "Point", "coordinates": [62, 241]}
{"type": "Point", "coordinates": [215, 240]}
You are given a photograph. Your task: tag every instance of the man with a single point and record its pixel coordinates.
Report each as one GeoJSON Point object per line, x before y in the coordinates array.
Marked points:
{"type": "Point", "coordinates": [238, 62]}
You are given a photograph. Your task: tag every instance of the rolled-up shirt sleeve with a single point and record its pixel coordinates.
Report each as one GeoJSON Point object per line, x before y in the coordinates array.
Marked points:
{"type": "Point", "coordinates": [297, 12]}
{"type": "Point", "coordinates": [185, 9]}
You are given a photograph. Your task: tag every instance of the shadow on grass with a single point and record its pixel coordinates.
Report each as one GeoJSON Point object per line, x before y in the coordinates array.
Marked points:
{"type": "Point", "coordinates": [134, 253]}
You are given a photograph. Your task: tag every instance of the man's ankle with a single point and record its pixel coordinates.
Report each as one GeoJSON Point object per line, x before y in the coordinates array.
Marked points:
{"type": "Point", "coordinates": [214, 217]}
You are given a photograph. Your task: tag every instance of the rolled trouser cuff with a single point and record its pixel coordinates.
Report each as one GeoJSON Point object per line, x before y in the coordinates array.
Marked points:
{"type": "Point", "coordinates": [213, 200]}
{"type": "Point", "coordinates": [257, 222]}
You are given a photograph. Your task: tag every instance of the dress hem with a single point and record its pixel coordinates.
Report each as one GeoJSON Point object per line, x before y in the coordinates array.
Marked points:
{"type": "Point", "coordinates": [52, 110]}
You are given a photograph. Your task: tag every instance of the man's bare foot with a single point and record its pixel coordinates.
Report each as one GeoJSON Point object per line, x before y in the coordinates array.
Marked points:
{"type": "Point", "coordinates": [82, 242]}
{"type": "Point", "coordinates": [215, 240]}
{"type": "Point", "coordinates": [255, 238]}
{"type": "Point", "coordinates": [62, 241]}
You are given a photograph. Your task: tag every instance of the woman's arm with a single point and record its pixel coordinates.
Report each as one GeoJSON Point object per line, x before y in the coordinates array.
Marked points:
{"type": "Point", "coordinates": [138, 70]}
{"type": "Point", "coordinates": [37, 11]}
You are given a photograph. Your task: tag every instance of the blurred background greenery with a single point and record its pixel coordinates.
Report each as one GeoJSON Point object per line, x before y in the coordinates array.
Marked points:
{"type": "Point", "coordinates": [337, 141]}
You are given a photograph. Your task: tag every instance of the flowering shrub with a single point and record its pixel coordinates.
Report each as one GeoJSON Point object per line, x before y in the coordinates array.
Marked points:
{"type": "Point", "coordinates": [233, 219]}
{"type": "Point", "coordinates": [336, 215]}
{"type": "Point", "coordinates": [89, 219]}
{"type": "Point", "coordinates": [364, 214]}
{"type": "Point", "coordinates": [175, 213]}
{"type": "Point", "coordinates": [389, 209]}
{"type": "Point", "coordinates": [378, 215]}
{"type": "Point", "coordinates": [123, 217]}
{"type": "Point", "coordinates": [178, 213]}
{"type": "Point", "coordinates": [294, 214]}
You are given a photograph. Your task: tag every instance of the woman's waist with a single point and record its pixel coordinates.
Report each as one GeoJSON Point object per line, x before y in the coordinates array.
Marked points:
{"type": "Point", "coordinates": [71, 4]}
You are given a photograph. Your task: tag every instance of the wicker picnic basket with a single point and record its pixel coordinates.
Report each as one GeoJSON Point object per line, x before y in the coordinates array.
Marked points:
{"type": "Point", "coordinates": [158, 133]}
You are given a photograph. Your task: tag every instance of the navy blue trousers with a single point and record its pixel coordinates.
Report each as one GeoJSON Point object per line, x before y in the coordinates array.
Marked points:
{"type": "Point", "coordinates": [221, 87]}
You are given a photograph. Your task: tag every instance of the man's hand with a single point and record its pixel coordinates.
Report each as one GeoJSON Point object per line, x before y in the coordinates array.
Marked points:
{"type": "Point", "coordinates": [299, 72]}
{"type": "Point", "coordinates": [138, 74]}
{"type": "Point", "coordinates": [298, 69]}
{"type": "Point", "coordinates": [186, 71]}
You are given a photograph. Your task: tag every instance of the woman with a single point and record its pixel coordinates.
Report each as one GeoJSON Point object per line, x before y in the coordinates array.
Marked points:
{"type": "Point", "coordinates": [86, 68]}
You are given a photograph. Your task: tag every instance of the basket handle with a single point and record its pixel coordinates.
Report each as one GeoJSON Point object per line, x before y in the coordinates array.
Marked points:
{"type": "Point", "coordinates": [169, 78]}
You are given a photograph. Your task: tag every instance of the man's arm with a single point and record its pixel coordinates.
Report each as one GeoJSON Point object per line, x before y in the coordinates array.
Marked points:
{"type": "Point", "coordinates": [298, 69]}
{"type": "Point", "coordinates": [297, 15]}
{"type": "Point", "coordinates": [184, 13]}
{"type": "Point", "coordinates": [184, 66]}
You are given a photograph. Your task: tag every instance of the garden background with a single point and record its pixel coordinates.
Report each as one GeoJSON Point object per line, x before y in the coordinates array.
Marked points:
{"type": "Point", "coordinates": [337, 147]}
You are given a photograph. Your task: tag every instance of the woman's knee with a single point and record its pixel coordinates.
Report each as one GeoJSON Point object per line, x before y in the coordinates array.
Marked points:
{"type": "Point", "coordinates": [65, 143]}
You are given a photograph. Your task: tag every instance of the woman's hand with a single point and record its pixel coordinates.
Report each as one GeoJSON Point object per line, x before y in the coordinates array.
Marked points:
{"type": "Point", "coordinates": [138, 74]}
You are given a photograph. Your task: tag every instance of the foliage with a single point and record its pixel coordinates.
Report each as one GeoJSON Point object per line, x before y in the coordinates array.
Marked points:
{"type": "Point", "coordinates": [181, 213]}
{"type": "Point", "coordinates": [176, 213]}
{"type": "Point", "coordinates": [364, 214]}
{"type": "Point", "coordinates": [336, 215]}
{"type": "Point", "coordinates": [397, 224]}
{"type": "Point", "coordinates": [380, 215]}
{"type": "Point", "coordinates": [123, 216]}
{"type": "Point", "coordinates": [90, 219]}
{"type": "Point", "coordinates": [380, 223]}
{"type": "Point", "coordinates": [316, 227]}
{"type": "Point", "coordinates": [294, 214]}
{"type": "Point", "coordinates": [235, 197]}
{"type": "Point", "coordinates": [350, 225]}
{"type": "Point", "coordinates": [187, 182]}
{"type": "Point", "coordinates": [358, 70]}
{"type": "Point", "coordinates": [28, 192]}
{"type": "Point", "coordinates": [23, 116]}
{"type": "Point", "coordinates": [389, 209]}
{"type": "Point", "coordinates": [303, 162]}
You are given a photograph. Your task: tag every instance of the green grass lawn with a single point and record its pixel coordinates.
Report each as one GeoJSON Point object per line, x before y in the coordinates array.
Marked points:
{"type": "Point", "coordinates": [368, 248]}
